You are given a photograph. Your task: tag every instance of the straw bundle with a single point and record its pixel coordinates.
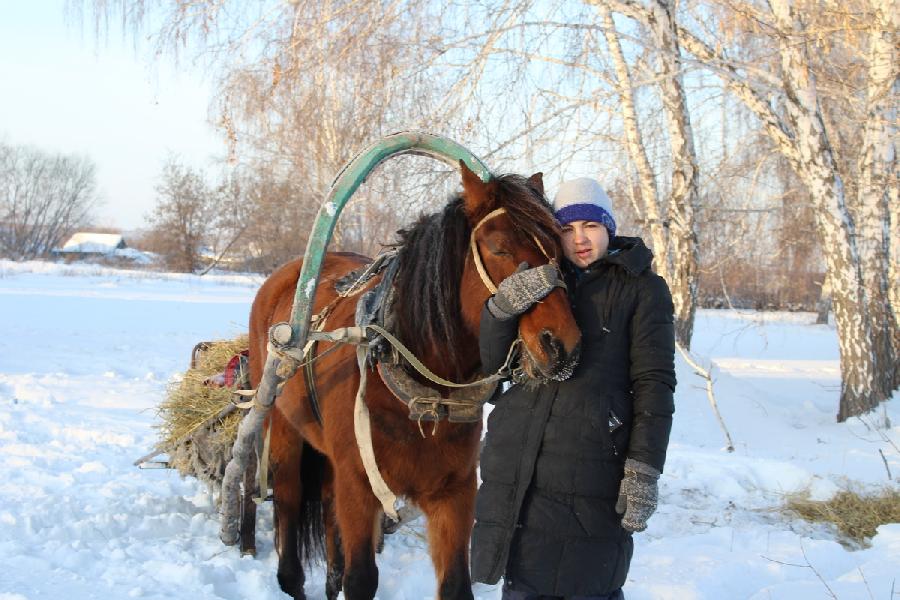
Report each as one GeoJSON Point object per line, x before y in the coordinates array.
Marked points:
{"type": "Point", "coordinates": [198, 443]}
{"type": "Point", "coordinates": [856, 516]}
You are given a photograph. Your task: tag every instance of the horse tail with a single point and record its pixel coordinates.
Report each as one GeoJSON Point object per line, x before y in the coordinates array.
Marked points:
{"type": "Point", "coordinates": [311, 524]}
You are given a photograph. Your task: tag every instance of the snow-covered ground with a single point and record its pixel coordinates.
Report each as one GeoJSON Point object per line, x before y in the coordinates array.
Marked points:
{"type": "Point", "coordinates": [86, 352]}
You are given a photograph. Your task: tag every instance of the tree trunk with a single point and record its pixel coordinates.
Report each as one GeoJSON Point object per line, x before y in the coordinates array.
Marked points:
{"type": "Point", "coordinates": [817, 167]}
{"type": "Point", "coordinates": [823, 306]}
{"type": "Point", "coordinates": [636, 149]}
{"type": "Point", "coordinates": [872, 195]}
{"type": "Point", "coordinates": [894, 268]}
{"type": "Point", "coordinates": [685, 196]}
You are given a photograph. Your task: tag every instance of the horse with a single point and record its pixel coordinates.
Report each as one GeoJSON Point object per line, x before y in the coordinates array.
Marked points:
{"type": "Point", "coordinates": [322, 496]}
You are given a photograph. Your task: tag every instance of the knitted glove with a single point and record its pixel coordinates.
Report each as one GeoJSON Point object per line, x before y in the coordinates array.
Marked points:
{"type": "Point", "coordinates": [521, 290]}
{"type": "Point", "coordinates": [638, 493]}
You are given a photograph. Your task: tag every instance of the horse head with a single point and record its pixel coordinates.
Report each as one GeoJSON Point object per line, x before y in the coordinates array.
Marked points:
{"type": "Point", "coordinates": [512, 223]}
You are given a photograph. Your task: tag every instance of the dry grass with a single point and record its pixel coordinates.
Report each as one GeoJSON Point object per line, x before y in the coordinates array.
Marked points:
{"type": "Point", "coordinates": [194, 449]}
{"type": "Point", "coordinates": [855, 516]}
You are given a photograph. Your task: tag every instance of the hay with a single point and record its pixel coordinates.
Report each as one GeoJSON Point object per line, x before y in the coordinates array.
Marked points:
{"type": "Point", "coordinates": [195, 449]}
{"type": "Point", "coordinates": [854, 515]}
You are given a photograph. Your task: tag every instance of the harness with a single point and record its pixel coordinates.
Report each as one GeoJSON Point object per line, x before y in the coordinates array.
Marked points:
{"type": "Point", "coordinates": [376, 346]}
{"type": "Point", "coordinates": [384, 352]}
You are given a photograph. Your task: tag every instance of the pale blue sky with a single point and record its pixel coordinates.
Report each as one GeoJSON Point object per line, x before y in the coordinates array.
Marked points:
{"type": "Point", "coordinates": [63, 90]}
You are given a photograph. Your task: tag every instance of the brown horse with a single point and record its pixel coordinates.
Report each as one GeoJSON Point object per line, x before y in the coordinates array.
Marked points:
{"type": "Point", "coordinates": [438, 297]}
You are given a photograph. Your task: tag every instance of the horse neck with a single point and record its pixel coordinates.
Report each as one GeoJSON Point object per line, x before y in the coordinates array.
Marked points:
{"type": "Point", "coordinates": [468, 361]}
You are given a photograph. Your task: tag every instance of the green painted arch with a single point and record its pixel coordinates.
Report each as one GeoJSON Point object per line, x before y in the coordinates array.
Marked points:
{"type": "Point", "coordinates": [345, 184]}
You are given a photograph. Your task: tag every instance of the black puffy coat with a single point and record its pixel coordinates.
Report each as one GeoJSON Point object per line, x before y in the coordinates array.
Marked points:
{"type": "Point", "coordinates": [551, 467]}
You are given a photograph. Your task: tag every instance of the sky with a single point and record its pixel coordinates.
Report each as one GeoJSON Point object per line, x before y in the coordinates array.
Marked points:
{"type": "Point", "coordinates": [64, 90]}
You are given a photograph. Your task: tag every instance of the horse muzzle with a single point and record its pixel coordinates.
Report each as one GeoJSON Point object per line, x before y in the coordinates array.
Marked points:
{"type": "Point", "coordinates": [558, 365]}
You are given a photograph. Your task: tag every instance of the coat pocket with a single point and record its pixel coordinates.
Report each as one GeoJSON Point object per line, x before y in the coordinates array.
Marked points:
{"type": "Point", "coordinates": [597, 517]}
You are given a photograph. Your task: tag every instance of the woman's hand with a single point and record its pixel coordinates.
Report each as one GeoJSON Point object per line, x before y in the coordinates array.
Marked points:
{"type": "Point", "coordinates": [521, 290]}
{"type": "Point", "coordinates": [638, 495]}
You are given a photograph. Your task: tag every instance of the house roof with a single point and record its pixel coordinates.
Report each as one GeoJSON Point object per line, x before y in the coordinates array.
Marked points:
{"type": "Point", "coordinates": [84, 241]}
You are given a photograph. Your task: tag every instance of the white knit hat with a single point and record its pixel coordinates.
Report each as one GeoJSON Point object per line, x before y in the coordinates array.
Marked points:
{"type": "Point", "coordinates": [583, 199]}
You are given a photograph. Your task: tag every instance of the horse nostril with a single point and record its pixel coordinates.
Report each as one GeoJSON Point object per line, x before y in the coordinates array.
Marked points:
{"type": "Point", "coordinates": [551, 345]}
{"type": "Point", "coordinates": [575, 354]}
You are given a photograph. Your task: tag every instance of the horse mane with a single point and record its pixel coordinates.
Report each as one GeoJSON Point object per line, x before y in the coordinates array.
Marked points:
{"type": "Point", "coordinates": [433, 253]}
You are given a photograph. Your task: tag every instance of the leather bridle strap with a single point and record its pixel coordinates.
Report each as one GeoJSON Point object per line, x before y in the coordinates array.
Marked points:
{"type": "Point", "coordinates": [476, 255]}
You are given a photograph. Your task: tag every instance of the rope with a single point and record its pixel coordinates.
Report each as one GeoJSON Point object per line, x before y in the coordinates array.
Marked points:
{"type": "Point", "coordinates": [432, 409]}
{"type": "Point", "coordinates": [358, 285]}
{"type": "Point", "coordinates": [362, 425]}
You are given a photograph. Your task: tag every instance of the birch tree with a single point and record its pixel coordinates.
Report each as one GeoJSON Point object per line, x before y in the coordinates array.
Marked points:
{"type": "Point", "coordinates": [675, 238]}
{"type": "Point", "coordinates": [800, 134]}
{"type": "Point", "coordinates": [300, 88]}
{"type": "Point", "coordinates": [875, 183]}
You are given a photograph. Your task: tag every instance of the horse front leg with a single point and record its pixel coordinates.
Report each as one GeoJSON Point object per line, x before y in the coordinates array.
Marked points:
{"type": "Point", "coordinates": [356, 509]}
{"type": "Point", "coordinates": [451, 513]}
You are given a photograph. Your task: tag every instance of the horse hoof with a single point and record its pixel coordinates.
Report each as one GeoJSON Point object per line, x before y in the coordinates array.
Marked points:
{"type": "Point", "coordinates": [331, 593]}
{"type": "Point", "coordinates": [334, 581]}
{"type": "Point", "coordinates": [290, 586]}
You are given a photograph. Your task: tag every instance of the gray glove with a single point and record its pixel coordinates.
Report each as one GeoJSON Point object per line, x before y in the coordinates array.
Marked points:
{"type": "Point", "coordinates": [638, 494]}
{"type": "Point", "coordinates": [521, 290]}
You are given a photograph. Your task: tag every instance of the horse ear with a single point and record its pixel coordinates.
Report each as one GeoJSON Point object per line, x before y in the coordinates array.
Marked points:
{"type": "Point", "coordinates": [476, 191]}
{"type": "Point", "coordinates": [537, 182]}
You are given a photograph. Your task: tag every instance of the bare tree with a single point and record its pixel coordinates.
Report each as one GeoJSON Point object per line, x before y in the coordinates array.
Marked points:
{"type": "Point", "coordinates": [43, 198]}
{"type": "Point", "coordinates": [184, 216]}
{"type": "Point", "coordinates": [672, 226]}
{"type": "Point", "coordinates": [302, 87]}
{"type": "Point", "coordinates": [801, 135]}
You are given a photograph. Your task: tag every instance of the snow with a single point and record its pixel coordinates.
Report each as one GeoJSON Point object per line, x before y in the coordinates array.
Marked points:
{"type": "Point", "coordinates": [87, 353]}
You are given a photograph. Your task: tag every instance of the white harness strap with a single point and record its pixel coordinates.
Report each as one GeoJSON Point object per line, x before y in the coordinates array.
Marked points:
{"type": "Point", "coordinates": [362, 426]}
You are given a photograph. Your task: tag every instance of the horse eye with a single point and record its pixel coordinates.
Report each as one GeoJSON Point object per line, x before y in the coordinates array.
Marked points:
{"type": "Point", "coordinates": [502, 253]}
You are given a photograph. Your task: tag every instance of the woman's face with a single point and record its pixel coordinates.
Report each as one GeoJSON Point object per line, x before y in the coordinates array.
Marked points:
{"type": "Point", "coordinates": [584, 242]}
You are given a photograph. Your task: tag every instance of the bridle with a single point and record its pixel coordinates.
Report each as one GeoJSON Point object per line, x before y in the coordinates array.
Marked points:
{"type": "Point", "coordinates": [476, 255]}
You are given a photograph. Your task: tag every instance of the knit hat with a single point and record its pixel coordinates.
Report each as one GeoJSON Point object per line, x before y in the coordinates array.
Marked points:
{"type": "Point", "coordinates": [583, 199]}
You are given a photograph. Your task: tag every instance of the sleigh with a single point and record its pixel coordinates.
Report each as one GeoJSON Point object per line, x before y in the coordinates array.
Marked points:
{"type": "Point", "coordinates": [201, 412]}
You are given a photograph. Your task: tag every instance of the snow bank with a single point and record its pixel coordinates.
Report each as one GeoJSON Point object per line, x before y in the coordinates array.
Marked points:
{"type": "Point", "coordinates": [87, 352]}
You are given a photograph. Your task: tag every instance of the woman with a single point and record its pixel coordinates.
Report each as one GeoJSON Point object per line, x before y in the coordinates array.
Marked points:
{"type": "Point", "coordinates": [570, 468]}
